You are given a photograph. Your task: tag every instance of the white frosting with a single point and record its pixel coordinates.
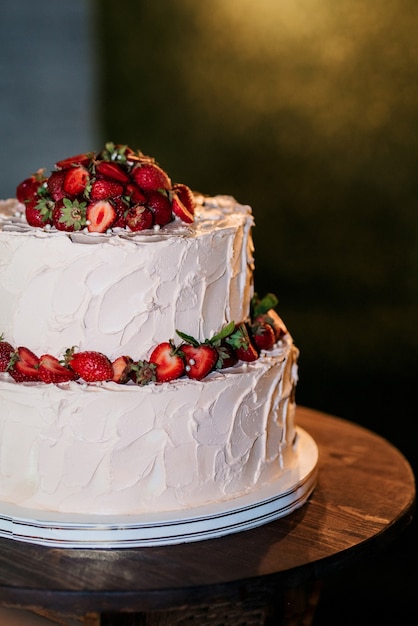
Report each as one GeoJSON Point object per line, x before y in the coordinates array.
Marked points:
{"type": "Point", "coordinates": [124, 294]}
{"type": "Point", "coordinates": [125, 449]}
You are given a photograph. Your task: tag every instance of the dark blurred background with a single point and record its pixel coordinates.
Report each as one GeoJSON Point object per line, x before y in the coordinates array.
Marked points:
{"type": "Point", "coordinates": [307, 111]}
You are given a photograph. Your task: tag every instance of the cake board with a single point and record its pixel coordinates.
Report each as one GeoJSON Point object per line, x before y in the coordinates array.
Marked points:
{"type": "Point", "coordinates": [265, 504]}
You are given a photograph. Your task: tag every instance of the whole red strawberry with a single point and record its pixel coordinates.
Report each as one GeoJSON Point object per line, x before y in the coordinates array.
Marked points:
{"type": "Point", "coordinates": [104, 188]}
{"type": "Point", "coordinates": [168, 360]}
{"type": "Point", "coordinates": [263, 335]}
{"type": "Point", "coordinates": [262, 312]}
{"type": "Point", "coordinates": [38, 212]}
{"type": "Point", "coordinates": [55, 185]}
{"type": "Point", "coordinates": [69, 215]}
{"type": "Point", "coordinates": [160, 205]}
{"type": "Point", "coordinates": [6, 351]}
{"type": "Point", "coordinates": [91, 366]}
{"type": "Point", "coordinates": [150, 177]}
{"type": "Point", "coordinates": [139, 217]}
{"type": "Point", "coordinates": [242, 344]}
{"type": "Point", "coordinates": [199, 358]}
{"type": "Point", "coordinates": [28, 188]}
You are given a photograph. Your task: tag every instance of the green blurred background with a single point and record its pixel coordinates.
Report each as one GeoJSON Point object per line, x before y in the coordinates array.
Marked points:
{"type": "Point", "coordinates": [308, 111]}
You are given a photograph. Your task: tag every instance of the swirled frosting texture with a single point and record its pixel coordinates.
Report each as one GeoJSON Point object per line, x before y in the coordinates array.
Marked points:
{"type": "Point", "coordinates": [124, 293]}
{"type": "Point", "coordinates": [112, 449]}
{"type": "Point", "coordinates": [126, 449]}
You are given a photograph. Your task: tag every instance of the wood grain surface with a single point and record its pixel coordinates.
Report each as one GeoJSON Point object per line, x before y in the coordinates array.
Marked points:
{"type": "Point", "coordinates": [364, 498]}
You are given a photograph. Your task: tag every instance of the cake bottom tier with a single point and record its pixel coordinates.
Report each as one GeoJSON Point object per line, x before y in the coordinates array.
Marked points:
{"type": "Point", "coordinates": [127, 450]}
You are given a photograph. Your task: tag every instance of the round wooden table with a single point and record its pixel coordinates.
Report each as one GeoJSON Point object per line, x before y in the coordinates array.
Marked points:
{"type": "Point", "coordinates": [364, 498]}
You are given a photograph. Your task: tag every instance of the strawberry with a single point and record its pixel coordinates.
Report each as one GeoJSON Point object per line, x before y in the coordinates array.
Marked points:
{"type": "Point", "coordinates": [150, 177]}
{"type": "Point", "coordinates": [160, 206]}
{"type": "Point", "coordinates": [91, 366]}
{"type": "Point", "coordinates": [6, 351]}
{"type": "Point", "coordinates": [186, 197]}
{"type": "Point", "coordinates": [143, 373]}
{"type": "Point", "coordinates": [263, 335]}
{"type": "Point", "coordinates": [69, 215]}
{"type": "Point", "coordinates": [240, 341]}
{"type": "Point", "coordinates": [100, 215]}
{"type": "Point", "coordinates": [79, 159]}
{"type": "Point", "coordinates": [107, 169]}
{"type": "Point", "coordinates": [226, 356]}
{"type": "Point", "coordinates": [51, 370]}
{"type": "Point", "coordinates": [28, 188]}
{"type": "Point", "coordinates": [168, 360]}
{"type": "Point", "coordinates": [38, 212]}
{"type": "Point", "coordinates": [134, 193]}
{"type": "Point", "coordinates": [121, 207]}
{"type": "Point", "coordinates": [23, 366]}
{"type": "Point", "coordinates": [76, 180]}
{"type": "Point", "coordinates": [103, 188]}
{"type": "Point", "coordinates": [55, 185]}
{"type": "Point", "coordinates": [139, 217]}
{"type": "Point", "coordinates": [199, 358]}
{"type": "Point", "coordinates": [122, 367]}
{"type": "Point", "coordinates": [181, 209]}
{"type": "Point", "coordinates": [119, 152]}
{"type": "Point", "coordinates": [262, 311]}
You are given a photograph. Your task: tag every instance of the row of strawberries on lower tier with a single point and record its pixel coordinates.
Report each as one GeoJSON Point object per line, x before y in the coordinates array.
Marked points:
{"type": "Point", "coordinates": [167, 362]}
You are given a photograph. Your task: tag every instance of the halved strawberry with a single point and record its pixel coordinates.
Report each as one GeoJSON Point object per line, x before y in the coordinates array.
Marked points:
{"type": "Point", "coordinates": [263, 335]}
{"type": "Point", "coordinates": [143, 373]}
{"type": "Point", "coordinates": [135, 194]}
{"type": "Point", "coordinates": [69, 215]}
{"type": "Point", "coordinates": [241, 342]}
{"type": "Point", "coordinates": [6, 351]}
{"type": "Point", "coordinates": [122, 367]}
{"type": "Point", "coordinates": [78, 159]}
{"type": "Point", "coordinates": [91, 366]}
{"type": "Point", "coordinates": [101, 216]}
{"type": "Point", "coordinates": [76, 180]}
{"type": "Point", "coordinates": [186, 196]}
{"type": "Point", "coordinates": [108, 169]}
{"type": "Point", "coordinates": [160, 206]}
{"type": "Point", "coordinates": [150, 177]}
{"type": "Point", "coordinates": [51, 370]}
{"type": "Point", "coordinates": [55, 185]}
{"type": "Point", "coordinates": [23, 366]}
{"type": "Point", "coordinates": [139, 217]}
{"type": "Point", "coordinates": [104, 188]}
{"type": "Point", "coordinates": [180, 209]}
{"type": "Point", "coordinates": [168, 360]}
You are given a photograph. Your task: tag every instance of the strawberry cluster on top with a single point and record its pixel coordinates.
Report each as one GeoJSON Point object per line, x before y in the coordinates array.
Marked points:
{"type": "Point", "coordinates": [167, 362]}
{"type": "Point", "coordinates": [116, 187]}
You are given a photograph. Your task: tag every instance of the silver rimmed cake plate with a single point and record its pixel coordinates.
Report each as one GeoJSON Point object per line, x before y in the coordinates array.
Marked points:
{"type": "Point", "coordinates": [263, 505]}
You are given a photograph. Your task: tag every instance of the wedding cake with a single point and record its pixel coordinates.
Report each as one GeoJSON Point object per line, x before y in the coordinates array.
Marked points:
{"type": "Point", "coordinates": [139, 371]}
